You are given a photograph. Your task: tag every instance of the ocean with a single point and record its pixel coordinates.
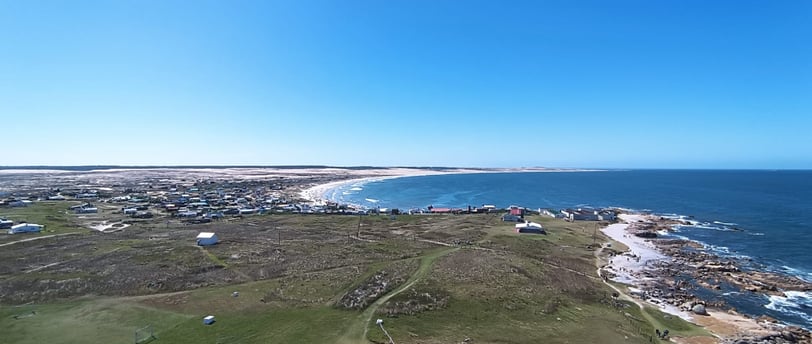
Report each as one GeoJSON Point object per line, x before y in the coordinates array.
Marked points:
{"type": "Point", "coordinates": [761, 218]}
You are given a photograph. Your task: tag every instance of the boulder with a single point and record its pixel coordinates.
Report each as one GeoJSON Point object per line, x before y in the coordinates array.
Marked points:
{"type": "Point", "coordinates": [788, 336]}
{"type": "Point", "coordinates": [699, 309]}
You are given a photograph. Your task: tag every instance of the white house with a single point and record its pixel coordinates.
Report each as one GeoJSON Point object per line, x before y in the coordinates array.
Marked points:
{"type": "Point", "coordinates": [206, 239]}
{"type": "Point", "coordinates": [208, 320]}
{"type": "Point", "coordinates": [87, 210]}
{"type": "Point", "coordinates": [530, 227]}
{"type": "Point", "coordinates": [25, 228]}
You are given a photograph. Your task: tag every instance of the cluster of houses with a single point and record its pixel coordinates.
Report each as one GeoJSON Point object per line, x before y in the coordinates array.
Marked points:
{"type": "Point", "coordinates": [582, 214]}
{"type": "Point", "coordinates": [194, 202]}
{"type": "Point", "coordinates": [516, 214]}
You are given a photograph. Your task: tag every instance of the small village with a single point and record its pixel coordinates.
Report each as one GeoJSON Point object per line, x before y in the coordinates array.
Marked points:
{"type": "Point", "coordinates": [204, 201]}
{"type": "Point", "coordinates": [173, 233]}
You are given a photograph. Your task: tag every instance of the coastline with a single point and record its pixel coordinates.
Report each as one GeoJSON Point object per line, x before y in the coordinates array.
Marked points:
{"type": "Point", "coordinates": [641, 267]}
{"type": "Point", "coordinates": [316, 193]}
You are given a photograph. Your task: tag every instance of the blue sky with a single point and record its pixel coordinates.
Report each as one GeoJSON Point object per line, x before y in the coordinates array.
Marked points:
{"type": "Point", "coordinates": [626, 84]}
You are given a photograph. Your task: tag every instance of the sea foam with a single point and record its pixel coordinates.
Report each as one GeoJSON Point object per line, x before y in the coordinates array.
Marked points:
{"type": "Point", "coordinates": [796, 303]}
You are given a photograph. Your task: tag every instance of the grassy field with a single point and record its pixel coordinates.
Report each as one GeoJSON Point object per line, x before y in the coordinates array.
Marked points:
{"type": "Point", "coordinates": [89, 320]}
{"type": "Point", "coordinates": [474, 278]}
{"type": "Point", "coordinates": [54, 215]}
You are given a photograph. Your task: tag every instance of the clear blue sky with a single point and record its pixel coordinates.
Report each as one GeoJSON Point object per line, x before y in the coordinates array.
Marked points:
{"type": "Point", "coordinates": [628, 84]}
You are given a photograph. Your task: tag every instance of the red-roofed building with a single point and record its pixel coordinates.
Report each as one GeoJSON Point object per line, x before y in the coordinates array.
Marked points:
{"type": "Point", "coordinates": [514, 210]}
{"type": "Point", "coordinates": [440, 210]}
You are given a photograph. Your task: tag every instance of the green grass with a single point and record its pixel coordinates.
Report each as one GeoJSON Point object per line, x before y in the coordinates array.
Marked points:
{"type": "Point", "coordinates": [54, 215]}
{"type": "Point", "coordinates": [520, 289]}
{"type": "Point", "coordinates": [288, 325]}
{"type": "Point", "coordinates": [675, 325]}
{"type": "Point", "coordinates": [426, 263]}
{"type": "Point", "coordinates": [214, 259]}
{"type": "Point", "coordinates": [101, 320]}
{"type": "Point", "coordinates": [486, 322]}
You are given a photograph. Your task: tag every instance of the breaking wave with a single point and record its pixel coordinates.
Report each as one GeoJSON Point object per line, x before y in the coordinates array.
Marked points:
{"type": "Point", "coordinates": [795, 303]}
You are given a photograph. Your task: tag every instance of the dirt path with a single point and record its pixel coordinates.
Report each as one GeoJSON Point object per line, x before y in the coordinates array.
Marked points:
{"type": "Point", "coordinates": [623, 296]}
{"type": "Point", "coordinates": [38, 238]}
{"type": "Point", "coordinates": [357, 333]}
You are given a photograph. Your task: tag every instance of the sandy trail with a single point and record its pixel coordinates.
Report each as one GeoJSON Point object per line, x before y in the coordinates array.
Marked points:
{"type": "Point", "coordinates": [37, 238]}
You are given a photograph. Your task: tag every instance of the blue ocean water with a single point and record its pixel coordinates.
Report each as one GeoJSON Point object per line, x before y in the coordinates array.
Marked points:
{"type": "Point", "coordinates": [765, 216]}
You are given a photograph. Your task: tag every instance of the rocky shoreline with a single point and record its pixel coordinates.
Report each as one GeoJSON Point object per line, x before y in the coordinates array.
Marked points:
{"type": "Point", "coordinates": [676, 284]}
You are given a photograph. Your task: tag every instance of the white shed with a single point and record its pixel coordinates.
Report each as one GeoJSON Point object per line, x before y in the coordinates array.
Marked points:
{"type": "Point", "coordinates": [25, 228]}
{"type": "Point", "coordinates": [530, 227]}
{"type": "Point", "coordinates": [208, 320]}
{"type": "Point", "coordinates": [206, 238]}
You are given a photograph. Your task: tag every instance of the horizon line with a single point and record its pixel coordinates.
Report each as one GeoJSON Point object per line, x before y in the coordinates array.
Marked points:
{"type": "Point", "coordinates": [362, 167]}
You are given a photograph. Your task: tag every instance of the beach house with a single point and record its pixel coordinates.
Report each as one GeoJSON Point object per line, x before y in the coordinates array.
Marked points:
{"type": "Point", "coordinates": [511, 218]}
{"type": "Point", "coordinates": [580, 214]}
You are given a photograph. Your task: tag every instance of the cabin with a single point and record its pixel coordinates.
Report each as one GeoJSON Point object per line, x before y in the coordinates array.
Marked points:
{"type": "Point", "coordinates": [208, 320]}
{"type": "Point", "coordinates": [514, 210]}
{"type": "Point", "coordinates": [25, 228]}
{"type": "Point", "coordinates": [440, 210]}
{"type": "Point", "coordinates": [607, 215]}
{"type": "Point", "coordinates": [550, 213]}
{"type": "Point", "coordinates": [142, 215]}
{"type": "Point", "coordinates": [6, 224]}
{"type": "Point", "coordinates": [86, 210]}
{"type": "Point", "coordinates": [214, 215]}
{"type": "Point", "coordinates": [206, 239]}
{"type": "Point", "coordinates": [20, 203]}
{"type": "Point", "coordinates": [530, 227]}
{"type": "Point", "coordinates": [580, 214]}
{"type": "Point", "coordinates": [489, 208]}
{"type": "Point", "coordinates": [511, 218]}
{"type": "Point", "coordinates": [186, 213]}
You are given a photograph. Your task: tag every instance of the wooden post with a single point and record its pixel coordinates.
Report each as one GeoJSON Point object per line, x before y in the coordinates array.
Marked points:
{"type": "Point", "coordinates": [360, 217]}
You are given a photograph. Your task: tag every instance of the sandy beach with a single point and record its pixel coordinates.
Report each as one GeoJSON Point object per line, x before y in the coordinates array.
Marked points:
{"type": "Point", "coordinates": [316, 192]}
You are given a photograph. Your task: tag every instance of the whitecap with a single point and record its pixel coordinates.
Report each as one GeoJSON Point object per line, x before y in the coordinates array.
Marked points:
{"type": "Point", "coordinates": [356, 188]}
{"type": "Point", "coordinates": [372, 200]}
{"type": "Point", "coordinates": [711, 227]}
{"type": "Point", "coordinates": [802, 274]}
{"type": "Point", "coordinates": [725, 223]}
{"type": "Point", "coordinates": [681, 237]}
{"type": "Point", "coordinates": [792, 303]}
